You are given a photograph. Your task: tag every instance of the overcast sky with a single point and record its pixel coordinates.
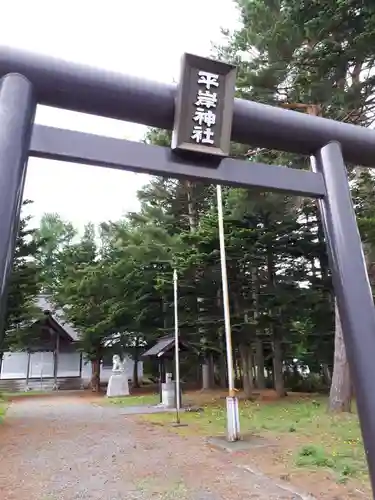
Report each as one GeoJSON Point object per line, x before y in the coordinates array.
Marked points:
{"type": "Point", "coordinates": [145, 38]}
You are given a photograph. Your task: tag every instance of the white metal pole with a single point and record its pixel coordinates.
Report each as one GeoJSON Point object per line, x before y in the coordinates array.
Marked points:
{"type": "Point", "coordinates": [177, 347]}
{"type": "Point", "coordinates": [232, 402]}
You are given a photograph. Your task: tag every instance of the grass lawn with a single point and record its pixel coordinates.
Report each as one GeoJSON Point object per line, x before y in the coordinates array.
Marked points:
{"type": "Point", "coordinates": [309, 438]}
{"type": "Point", "coordinates": [141, 400]}
{"type": "Point", "coordinates": [21, 394]}
{"type": "Point", "coordinates": [3, 409]}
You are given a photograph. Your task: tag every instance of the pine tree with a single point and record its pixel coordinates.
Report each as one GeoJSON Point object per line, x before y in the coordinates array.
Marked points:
{"type": "Point", "coordinates": [24, 286]}
{"type": "Point", "coordinates": [296, 55]}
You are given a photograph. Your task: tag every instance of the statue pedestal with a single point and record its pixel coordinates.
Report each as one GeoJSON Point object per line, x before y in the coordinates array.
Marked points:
{"type": "Point", "coordinates": [118, 385]}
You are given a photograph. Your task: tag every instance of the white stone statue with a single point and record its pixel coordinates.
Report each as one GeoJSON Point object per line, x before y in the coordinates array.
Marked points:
{"type": "Point", "coordinates": [117, 365]}
{"type": "Point", "coordinates": [118, 384]}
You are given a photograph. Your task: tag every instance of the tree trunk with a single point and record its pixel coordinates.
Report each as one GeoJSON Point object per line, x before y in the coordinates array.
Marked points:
{"type": "Point", "coordinates": [238, 370]}
{"type": "Point", "coordinates": [208, 373]}
{"type": "Point", "coordinates": [223, 371]}
{"type": "Point", "coordinates": [259, 362]}
{"type": "Point", "coordinates": [247, 370]}
{"type": "Point", "coordinates": [327, 376]}
{"type": "Point", "coordinates": [259, 352]}
{"type": "Point", "coordinates": [222, 362]}
{"type": "Point", "coordinates": [135, 372]}
{"type": "Point", "coordinates": [340, 396]}
{"type": "Point", "coordinates": [95, 375]}
{"type": "Point", "coordinates": [278, 376]}
{"type": "Point", "coordinates": [136, 362]}
{"type": "Point", "coordinates": [199, 374]}
{"type": "Point", "coordinates": [253, 370]}
{"type": "Point", "coordinates": [211, 363]}
{"type": "Point", "coordinates": [206, 377]}
{"type": "Point", "coordinates": [193, 225]}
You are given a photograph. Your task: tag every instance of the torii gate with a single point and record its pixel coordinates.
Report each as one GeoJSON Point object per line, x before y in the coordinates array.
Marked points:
{"type": "Point", "coordinates": [28, 80]}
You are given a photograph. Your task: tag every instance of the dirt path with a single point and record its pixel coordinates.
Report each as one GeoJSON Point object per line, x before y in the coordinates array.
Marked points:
{"type": "Point", "coordinates": [67, 448]}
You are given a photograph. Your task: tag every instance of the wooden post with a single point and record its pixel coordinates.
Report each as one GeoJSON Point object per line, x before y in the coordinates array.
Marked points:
{"type": "Point", "coordinates": [160, 379]}
{"type": "Point", "coordinates": [82, 385]}
{"type": "Point", "coordinates": [28, 370]}
{"type": "Point", "coordinates": [56, 361]}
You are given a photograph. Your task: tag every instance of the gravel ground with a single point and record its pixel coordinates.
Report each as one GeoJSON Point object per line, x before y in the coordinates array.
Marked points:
{"type": "Point", "coordinates": [69, 449]}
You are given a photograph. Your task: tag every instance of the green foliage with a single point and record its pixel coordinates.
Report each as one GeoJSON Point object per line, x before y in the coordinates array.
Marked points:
{"type": "Point", "coordinates": [81, 290]}
{"type": "Point", "coordinates": [311, 455]}
{"type": "Point", "coordinates": [55, 235]}
{"type": "Point", "coordinates": [116, 286]}
{"type": "Point", "coordinates": [344, 464]}
{"type": "Point", "coordinates": [23, 289]}
{"type": "Point", "coordinates": [297, 54]}
{"type": "Point", "coordinates": [3, 409]}
{"type": "Point", "coordinates": [146, 399]}
{"type": "Point", "coordinates": [311, 437]}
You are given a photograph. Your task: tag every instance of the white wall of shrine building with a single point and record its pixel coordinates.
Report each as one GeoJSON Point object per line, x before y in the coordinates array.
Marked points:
{"type": "Point", "coordinates": [56, 362]}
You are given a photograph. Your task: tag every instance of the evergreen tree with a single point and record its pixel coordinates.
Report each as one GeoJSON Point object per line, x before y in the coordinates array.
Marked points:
{"type": "Point", "coordinates": [24, 286]}
{"type": "Point", "coordinates": [296, 55]}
